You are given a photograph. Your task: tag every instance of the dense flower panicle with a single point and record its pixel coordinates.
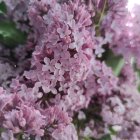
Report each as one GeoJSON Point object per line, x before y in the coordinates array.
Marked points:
{"type": "Point", "coordinates": [20, 116]}
{"type": "Point", "coordinates": [7, 135]}
{"type": "Point", "coordinates": [67, 80]}
{"type": "Point", "coordinates": [119, 116]}
{"type": "Point", "coordinates": [118, 113]}
{"type": "Point", "coordinates": [68, 133]}
{"type": "Point", "coordinates": [26, 118]}
{"type": "Point", "coordinates": [133, 25]}
{"type": "Point", "coordinates": [61, 61]}
{"type": "Point", "coordinates": [122, 25]}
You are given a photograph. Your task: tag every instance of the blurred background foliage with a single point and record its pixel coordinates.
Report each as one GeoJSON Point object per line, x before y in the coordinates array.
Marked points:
{"type": "Point", "coordinates": [10, 36]}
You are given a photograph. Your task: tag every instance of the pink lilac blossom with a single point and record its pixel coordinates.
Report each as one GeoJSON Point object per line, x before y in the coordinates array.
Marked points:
{"type": "Point", "coordinates": [118, 112]}
{"type": "Point", "coordinates": [128, 121]}
{"type": "Point", "coordinates": [67, 76]}
{"type": "Point", "coordinates": [122, 25]}
{"type": "Point", "coordinates": [22, 117]}
{"type": "Point", "coordinates": [62, 61]}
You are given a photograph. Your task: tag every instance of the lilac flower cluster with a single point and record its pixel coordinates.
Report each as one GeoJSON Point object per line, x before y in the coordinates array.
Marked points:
{"type": "Point", "coordinates": [122, 25]}
{"type": "Point", "coordinates": [67, 91]}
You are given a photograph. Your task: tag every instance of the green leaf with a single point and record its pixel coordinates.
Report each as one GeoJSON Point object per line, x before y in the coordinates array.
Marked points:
{"type": "Point", "coordinates": [87, 138]}
{"type": "Point", "coordinates": [3, 8]}
{"type": "Point", "coordinates": [10, 35]}
{"type": "Point", "coordinates": [138, 74]}
{"type": "Point", "coordinates": [113, 132]}
{"type": "Point", "coordinates": [139, 88]}
{"type": "Point", "coordinates": [105, 137]}
{"type": "Point", "coordinates": [1, 130]}
{"type": "Point", "coordinates": [115, 62]}
{"type": "Point", "coordinates": [137, 70]}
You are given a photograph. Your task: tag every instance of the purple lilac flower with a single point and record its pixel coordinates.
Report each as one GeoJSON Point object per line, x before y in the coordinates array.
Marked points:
{"type": "Point", "coordinates": [67, 81]}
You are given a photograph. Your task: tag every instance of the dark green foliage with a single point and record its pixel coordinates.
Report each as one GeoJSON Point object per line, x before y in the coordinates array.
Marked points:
{"type": "Point", "coordinates": [3, 8]}
{"type": "Point", "coordinates": [115, 62]}
{"type": "Point", "coordinates": [105, 137]}
{"type": "Point", "coordinates": [10, 36]}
